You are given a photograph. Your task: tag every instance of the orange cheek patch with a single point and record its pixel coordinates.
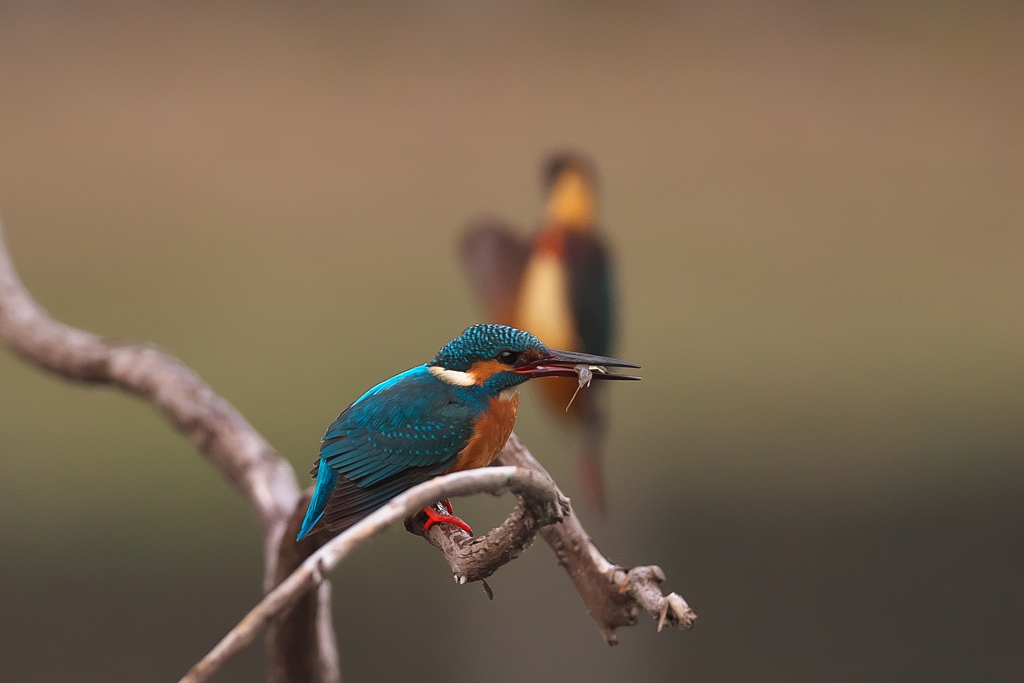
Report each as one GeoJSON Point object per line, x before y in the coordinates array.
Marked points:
{"type": "Point", "coordinates": [485, 369]}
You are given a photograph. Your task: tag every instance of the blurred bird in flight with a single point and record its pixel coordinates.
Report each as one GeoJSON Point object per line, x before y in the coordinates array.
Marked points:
{"type": "Point", "coordinates": [452, 413]}
{"type": "Point", "coordinates": [557, 285]}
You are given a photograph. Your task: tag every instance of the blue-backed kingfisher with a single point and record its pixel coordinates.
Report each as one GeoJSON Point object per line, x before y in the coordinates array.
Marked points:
{"type": "Point", "coordinates": [557, 285]}
{"type": "Point", "coordinates": [453, 413]}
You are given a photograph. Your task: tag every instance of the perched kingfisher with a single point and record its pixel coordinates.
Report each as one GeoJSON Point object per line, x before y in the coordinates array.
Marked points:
{"type": "Point", "coordinates": [558, 286]}
{"type": "Point", "coordinates": [453, 413]}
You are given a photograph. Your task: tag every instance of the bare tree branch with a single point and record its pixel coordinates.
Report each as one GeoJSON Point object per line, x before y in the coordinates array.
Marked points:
{"type": "Point", "coordinates": [527, 484]}
{"type": "Point", "coordinates": [213, 426]}
{"type": "Point", "coordinates": [301, 642]}
{"type": "Point", "coordinates": [614, 596]}
{"type": "Point", "coordinates": [474, 558]}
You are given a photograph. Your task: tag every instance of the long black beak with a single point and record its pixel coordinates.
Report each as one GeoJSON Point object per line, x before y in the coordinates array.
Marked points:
{"type": "Point", "coordinates": [564, 363]}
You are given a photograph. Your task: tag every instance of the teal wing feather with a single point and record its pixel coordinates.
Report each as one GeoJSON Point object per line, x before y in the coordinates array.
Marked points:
{"type": "Point", "coordinates": [399, 434]}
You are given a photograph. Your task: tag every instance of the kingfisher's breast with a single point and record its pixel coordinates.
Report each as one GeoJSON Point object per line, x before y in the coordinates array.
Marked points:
{"type": "Point", "coordinates": [490, 432]}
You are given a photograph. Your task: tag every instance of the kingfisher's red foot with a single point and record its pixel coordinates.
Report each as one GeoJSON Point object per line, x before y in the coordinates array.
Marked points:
{"type": "Point", "coordinates": [433, 517]}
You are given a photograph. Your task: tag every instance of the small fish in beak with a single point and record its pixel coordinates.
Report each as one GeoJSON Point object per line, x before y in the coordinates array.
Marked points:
{"type": "Point", "coordinates": [565, 363]}
{"type": "Point", "coordinates": [586, 374]}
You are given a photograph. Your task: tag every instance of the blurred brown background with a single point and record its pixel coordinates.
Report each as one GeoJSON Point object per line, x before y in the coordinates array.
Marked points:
{"type": "Point", "coordinates": [818, 219]}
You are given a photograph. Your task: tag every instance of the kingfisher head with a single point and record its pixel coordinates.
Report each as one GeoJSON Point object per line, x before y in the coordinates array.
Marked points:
{"type": "Point", "coordinates": [493, 358]}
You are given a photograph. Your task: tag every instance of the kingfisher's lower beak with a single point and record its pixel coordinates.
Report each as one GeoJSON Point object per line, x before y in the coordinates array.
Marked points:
{"type": "Point", "coordinates": [564, 364]}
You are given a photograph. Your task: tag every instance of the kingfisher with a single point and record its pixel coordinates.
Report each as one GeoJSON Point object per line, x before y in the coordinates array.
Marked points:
{"type": "Point", "coordinates": [557, 285]}
{"type": "Point", "coordinates": [450, 414]}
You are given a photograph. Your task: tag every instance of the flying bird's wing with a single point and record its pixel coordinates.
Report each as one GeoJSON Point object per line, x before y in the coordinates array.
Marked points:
{"type": "Point", "coordinates": [590, 290]}
{"type": "Point", "coordinates": [494, 256]}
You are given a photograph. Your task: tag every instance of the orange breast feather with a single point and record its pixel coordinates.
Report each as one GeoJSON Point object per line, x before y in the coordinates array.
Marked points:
{"type": "Point", "coordinates": [490, 433]}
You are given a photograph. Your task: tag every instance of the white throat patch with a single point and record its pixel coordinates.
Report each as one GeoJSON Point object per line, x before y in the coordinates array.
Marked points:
{"type": "Point", "coordinates": [456, 377]}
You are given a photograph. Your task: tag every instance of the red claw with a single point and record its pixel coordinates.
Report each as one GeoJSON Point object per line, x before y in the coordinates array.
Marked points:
{"type": "Point", "coordinates": [433, 517]}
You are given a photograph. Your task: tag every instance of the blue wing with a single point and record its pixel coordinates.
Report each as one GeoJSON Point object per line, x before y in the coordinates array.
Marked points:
{"type": "Point", "coordinates": [397, 435]}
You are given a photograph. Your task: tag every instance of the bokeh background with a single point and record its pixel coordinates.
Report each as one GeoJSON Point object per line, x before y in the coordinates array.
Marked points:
{"type": "Point", "coordinates": [817, 213]}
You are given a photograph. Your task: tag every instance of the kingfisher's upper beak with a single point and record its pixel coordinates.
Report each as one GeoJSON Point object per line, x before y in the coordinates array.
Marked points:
{"type": "Point", "coordinates": [563, 364]}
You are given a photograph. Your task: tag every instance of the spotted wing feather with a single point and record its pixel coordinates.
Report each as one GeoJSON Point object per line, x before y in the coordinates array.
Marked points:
{"type": "Point", "coordinates": [400, 434]}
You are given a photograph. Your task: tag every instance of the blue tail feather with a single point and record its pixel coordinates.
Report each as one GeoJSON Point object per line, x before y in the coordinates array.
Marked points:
{"type": "Point", "coordinates": [326, 479]}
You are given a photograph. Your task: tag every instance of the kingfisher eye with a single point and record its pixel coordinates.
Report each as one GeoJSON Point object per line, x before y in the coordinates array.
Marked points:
{"type": "Point", "coordinates": [508, 357]}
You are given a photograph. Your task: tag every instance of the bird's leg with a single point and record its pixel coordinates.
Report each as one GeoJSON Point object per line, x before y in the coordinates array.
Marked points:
{"type": "Point", "coordinates": [434, 515]}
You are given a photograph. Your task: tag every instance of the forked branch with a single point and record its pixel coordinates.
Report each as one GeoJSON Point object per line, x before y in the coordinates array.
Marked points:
{"type": "Point", "coordinates": [302, 646]}
{"type": "Point", "coordinates": [614, 596]}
